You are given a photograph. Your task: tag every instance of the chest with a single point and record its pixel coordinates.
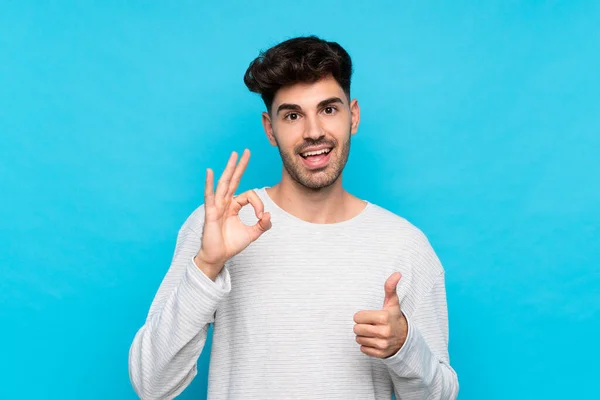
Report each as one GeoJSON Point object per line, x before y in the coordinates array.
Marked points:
{"type": "Point", "coordinates": [308, 280]}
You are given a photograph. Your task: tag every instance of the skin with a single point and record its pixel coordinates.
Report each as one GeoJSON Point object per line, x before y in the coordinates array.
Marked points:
{"type": "Point", "coordinates": [303, 114]}
{"type": "Point", "coordinates": [314, 196]}
{"type": "Point", "coordinates": [382, 333]}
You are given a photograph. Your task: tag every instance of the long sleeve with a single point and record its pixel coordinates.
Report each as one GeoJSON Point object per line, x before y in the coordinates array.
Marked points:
{"type": "Point", "coordinates": [164, 354]}
{"type": "Point", "coordinates": [421, 368]}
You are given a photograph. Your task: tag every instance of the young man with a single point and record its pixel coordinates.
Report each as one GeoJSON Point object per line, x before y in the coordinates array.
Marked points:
{"type": "Point", "coordinates": [313, 293]}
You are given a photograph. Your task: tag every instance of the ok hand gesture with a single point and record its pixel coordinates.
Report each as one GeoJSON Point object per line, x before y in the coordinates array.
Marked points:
{"type": "Point", "coordinates": [224, 234]}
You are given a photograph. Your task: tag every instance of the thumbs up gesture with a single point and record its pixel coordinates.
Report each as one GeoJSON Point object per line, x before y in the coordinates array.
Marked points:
{"type": "Point", "coordinates": [381, 333]}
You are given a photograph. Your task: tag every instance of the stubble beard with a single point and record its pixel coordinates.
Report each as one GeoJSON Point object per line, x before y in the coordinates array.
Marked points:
{"type": "Point", "coordinates": [316, 179]}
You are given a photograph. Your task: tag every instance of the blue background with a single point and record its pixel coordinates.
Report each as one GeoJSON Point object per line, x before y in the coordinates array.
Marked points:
{"type": "Point", "coordinates": [480, 124]}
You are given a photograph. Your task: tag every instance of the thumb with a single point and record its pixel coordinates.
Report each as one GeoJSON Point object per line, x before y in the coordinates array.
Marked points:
{"type": "Point", "coordinates": [391, 296]}
{"type": "Point", "coordinates": [263, 225]}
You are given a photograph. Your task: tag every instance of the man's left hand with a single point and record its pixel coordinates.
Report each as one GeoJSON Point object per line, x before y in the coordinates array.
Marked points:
{"type": "Point", "coordinates": [382, 333]}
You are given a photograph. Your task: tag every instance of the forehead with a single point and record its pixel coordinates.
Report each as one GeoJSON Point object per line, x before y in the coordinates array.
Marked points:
{"type": "Point", "coordinates": [308, 95]}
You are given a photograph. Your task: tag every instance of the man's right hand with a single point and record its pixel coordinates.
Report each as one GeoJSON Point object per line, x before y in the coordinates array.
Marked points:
{"type": "Point", "coordinates": [224, 234]}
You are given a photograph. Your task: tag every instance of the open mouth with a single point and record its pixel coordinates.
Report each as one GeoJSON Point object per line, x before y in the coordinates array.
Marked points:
{"type": "Point", "coordinates": [315, 153]}
{"type": "Point", "coordinates": [316, 159]}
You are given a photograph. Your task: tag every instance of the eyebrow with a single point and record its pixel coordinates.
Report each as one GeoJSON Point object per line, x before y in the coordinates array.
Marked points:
{"type": "Point", "coordinates": [296, 107]}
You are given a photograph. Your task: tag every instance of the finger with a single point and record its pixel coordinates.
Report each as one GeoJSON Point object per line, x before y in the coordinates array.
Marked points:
{"type": "Point", "coordinates": [225, 178]}
{"type": "Point", "coordinates": [374, 343]}
{"type": "Point", "coordinates": [248, 197]}
{"type": "Point", "coordinates": [370, 351]}
{"type": "Point", "coordinates": [372, 331]}
{"type": "Point", "coordinates": [373, 317]}
{"type": "Point", "coordinates": [209, 194]}
{"type": "Point", "coordinates": [391, 295]}
{"type": "Point", "coordinates": [264, 218]}
{"type": "Point", "coordinates": [263, 225]}
{"type": "Point", "coordinates": [237, 174]}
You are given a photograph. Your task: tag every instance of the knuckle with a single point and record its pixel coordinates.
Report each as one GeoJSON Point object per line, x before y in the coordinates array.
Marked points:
{"type": "Point", "coordinates": [386, 332]}
{"type": "Point", "coordinates": [385, 317]}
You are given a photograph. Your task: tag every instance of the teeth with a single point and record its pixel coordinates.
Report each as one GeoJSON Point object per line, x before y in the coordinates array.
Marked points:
{"type": "Point", "coordinates": [317, 152]}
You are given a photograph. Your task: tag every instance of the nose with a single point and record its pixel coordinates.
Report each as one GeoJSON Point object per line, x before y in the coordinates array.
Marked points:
{"type": "Point", "coordinates": [313, 129]}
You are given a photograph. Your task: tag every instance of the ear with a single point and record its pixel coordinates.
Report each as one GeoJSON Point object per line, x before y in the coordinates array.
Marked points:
{"type": "Point", "coordinates": [268, 126]}
{"type": "Point", "coordinates": [355, 111]}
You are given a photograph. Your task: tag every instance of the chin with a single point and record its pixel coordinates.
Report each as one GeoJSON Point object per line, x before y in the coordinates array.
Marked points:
{"type": "Point", "coordinates": [315, 180]}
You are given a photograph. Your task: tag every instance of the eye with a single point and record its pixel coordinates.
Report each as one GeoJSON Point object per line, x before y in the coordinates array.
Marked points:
{"type": "Point", "coordinates": [292, 116]}
{"type": "Point", "coordinates": [330, 110]}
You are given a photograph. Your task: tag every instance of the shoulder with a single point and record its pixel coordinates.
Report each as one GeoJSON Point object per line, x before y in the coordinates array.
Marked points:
{"type": "Point", "coordinates": [393, 223]}
{"type": "Point", "coordinates": [410, 242]}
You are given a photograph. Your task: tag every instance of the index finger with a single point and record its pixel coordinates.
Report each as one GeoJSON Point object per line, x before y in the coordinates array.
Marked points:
{"type": "Point", "coordinates": [248, 197]}
{"type": "Point", "coordinates": [374, 317]}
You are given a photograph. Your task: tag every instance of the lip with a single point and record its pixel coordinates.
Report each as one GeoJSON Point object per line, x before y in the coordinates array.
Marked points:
{"type": "Point", "coordinates": [321, 163]}
{"type": "Point", "coordinates": [315, 148]}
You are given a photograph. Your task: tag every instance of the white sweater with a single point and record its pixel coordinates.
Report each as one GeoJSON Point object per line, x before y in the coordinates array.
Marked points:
{"type": "Point", "coordinates": [282, 313]}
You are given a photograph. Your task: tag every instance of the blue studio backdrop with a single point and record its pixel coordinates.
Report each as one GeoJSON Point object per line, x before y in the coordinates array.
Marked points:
{"type": "Point", "coordinates": [480, 124]}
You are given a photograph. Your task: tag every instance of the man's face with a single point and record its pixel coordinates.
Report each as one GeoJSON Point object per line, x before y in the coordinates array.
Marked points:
{"type": "Point", "coordinates": [311, 124]}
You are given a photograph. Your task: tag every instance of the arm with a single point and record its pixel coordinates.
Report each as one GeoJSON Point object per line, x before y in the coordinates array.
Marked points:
{"type": "Point", "coordinates": [165, 350]}
{"type": "Point", "coordinates": [421, 368]}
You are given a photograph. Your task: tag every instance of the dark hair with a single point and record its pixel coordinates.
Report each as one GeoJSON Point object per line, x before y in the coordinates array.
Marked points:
{"type": "Point", "coordinates": [304, 59]}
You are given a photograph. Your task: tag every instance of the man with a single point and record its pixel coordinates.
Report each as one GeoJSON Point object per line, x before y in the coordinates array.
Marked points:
{"type": "Point", "coordinates": [313, 293]}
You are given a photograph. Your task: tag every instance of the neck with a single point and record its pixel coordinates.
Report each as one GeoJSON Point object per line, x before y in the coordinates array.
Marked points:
{"type": "Point", "coordinates": [322, 206]}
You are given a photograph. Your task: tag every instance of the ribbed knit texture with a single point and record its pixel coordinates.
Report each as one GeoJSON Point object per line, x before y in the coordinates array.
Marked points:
{"type": "Point", "coordinates": [283, 314]}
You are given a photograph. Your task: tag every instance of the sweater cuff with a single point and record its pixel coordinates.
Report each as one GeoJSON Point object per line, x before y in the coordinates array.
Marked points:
{"type": "Point", "coordinates": [201, 292]}
{"type": "Point", "coordinates": [414, 354]}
